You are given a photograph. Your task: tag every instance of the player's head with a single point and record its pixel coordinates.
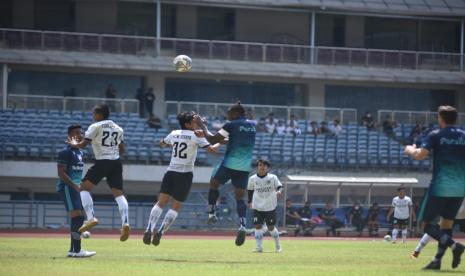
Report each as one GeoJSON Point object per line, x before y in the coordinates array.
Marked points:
{"type": "Point", "coordinates": [401, 192]}
{"type": "Point", "coordinates": [74, 131]}
{"type": "Point", "coordinates": [186, 120]}
{"type": "Point", "coordinates": [447, 115]}
{"type": "Point", "coordinates": [236, 111]}
{"type": "Point", "coordinates": [263, 166]}
{"type": "Point", "coordinates": [101, 112]}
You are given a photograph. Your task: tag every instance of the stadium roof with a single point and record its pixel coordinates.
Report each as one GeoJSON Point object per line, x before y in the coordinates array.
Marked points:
{"type": "Point", "coordinates": [220, 67]}
{"type": "Point", "coordinates": [405, 7]}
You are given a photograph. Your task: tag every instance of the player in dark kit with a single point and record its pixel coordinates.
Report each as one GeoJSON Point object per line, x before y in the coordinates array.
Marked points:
{"type": "Point", "coordinates": [70, 167]}
{"type": "Point", "coordinates": [447, 188]}
{"type": "Point", "coordinates": [236, 163]}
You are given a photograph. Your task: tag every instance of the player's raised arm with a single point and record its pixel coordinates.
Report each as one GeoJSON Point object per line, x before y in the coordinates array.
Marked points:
{"type": "Point", "coordinates": [211, 138]}
{"type": "Point", "coordinates": [416, 153]}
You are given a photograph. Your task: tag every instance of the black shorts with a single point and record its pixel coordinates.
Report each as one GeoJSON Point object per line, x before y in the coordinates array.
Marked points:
{"type": "Point", "coordinates": [260, 217]}
{"type": "Point", "coordinates": [434, 206]}
{"type": "Point", "coordinates": [71, 198]}
{"type": "Point", "coordinates": [111, 169]}
{"type": "Point", "coordinates": [177, 185]}
{"type": "Point", "coordinates": [239, 179]}
{"type": "Point", "coordinates": [400, 222]}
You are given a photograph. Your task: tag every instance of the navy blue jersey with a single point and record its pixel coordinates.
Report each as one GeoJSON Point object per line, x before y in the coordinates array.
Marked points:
{"type": "Point", "coordinates": [72, 159]}
{"type": "Point", "coordinates": [448, 148]}
{"type": "Point", "coordinates": [239, 150]}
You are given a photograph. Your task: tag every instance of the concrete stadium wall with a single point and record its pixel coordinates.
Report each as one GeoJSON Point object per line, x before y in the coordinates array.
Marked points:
{"type": "Point", "coordinates": [96, 16]}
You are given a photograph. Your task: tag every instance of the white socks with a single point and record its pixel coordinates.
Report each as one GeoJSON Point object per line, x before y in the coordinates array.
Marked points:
{"type": "Point", "coordinates": [423, 242]}
{"type": "Point", "coordinates": [154, 215]}
{"type": "Point", "coordinates": [259, 238]}
{"type": "Point", "coordinates": [404, 235]}
{"type": "Point", "coordinates": [275, 235]}
{"type": "Point", "coordinates": [394, 234]}
{"type": "Point", "coordinates": [123, 208]}
{"type": "Point", "coordinates": [87, 204]}
{"type": "Point", "coordinates": [168, 220]}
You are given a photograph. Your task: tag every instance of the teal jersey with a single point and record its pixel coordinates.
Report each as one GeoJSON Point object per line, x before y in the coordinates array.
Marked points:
{"type": "Point", "coordinates": [72, 159]}
{"type": "Point", "coordinates": [448, 148]}
{"type": "Point", "coordinates": [239, 150]}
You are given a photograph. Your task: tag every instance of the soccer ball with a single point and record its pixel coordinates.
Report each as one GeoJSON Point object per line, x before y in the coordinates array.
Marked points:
{"type": "Point", "coordinates": [182, 63]}
{"type": "Point", "coordinates": [387, 238]}
{"type": "Point", "coordinates": [85, 234]}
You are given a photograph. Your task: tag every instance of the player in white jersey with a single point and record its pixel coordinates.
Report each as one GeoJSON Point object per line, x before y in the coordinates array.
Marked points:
{"type": "Point", "coordinates": [263, 190]}
{"type": "Point", "coordinates": [459, 220]}
{"type": "Point", "coordinates": [106, 138]}
{"type": "Point", "coordinates": [177, 180]}
{"type": "Point", "coordinates": [402, 209]}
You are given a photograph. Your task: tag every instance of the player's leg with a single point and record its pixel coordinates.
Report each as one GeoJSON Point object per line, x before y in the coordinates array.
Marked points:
{"type": "Point", "coordinates": [155, 214]}
{"type": "Point", "coordinates": [114, 174]}
{"type": "Point", "coordinates": [220, 176]}
{"type": "Point", "coordinates": [395, 231]}
{"type": "Point", "coordinates": [87, 205]}
{"type": "Point", "coordinates": [271, 222]}
{"type": "Point", "coordinates": [258, 222]}
{"type": "Point", "coordinates": [423, 242]}
{"type": "Point", "coordinates": [239, 180]}
{"type": "Point", "coordinates": [168, 220]}
{"type": "Point", "coordinates": [404, 231]}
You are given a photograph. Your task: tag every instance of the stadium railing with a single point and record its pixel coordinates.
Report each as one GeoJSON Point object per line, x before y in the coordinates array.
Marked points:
{"type": "Point", "coordinates": [18, 101]}
{"type": "Point", "coordinates": [220, 110]}
{"type": "Point", "coordinates": [411, 117]}
{"type": "Point", "coordinates": [229, 50]}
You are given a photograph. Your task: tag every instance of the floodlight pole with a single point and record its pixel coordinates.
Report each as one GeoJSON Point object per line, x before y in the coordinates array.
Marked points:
{"type": "Point", "coordinates": [158, 27]}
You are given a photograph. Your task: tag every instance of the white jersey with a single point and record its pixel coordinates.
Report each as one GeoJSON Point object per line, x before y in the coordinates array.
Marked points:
{"type": "Point", "coordinates": [184, 143]}
{"type": "Point", "coordinates": [264, 196]}
{"type": "Point", "coordinates": [461, 212]}
{"type": "Point", "coordinates": [401, 207]}
{"type": "Point", "coordinates": [105, 135]}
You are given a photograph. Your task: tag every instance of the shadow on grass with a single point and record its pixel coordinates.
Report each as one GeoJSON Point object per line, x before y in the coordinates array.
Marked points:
{"type": "Point", "coordinates": [199, 261]}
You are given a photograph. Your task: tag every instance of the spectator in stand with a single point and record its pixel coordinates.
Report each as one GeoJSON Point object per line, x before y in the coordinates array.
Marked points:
{"type": "Point", "coordinates": [261, 125]}
{"type": "Point", "coordinates": [149, 99]}
{"type": "Point", "coordinates": [292, 121]}
{"type": "Point", "coordinates": [280, 128]}
{"type": "Point", "coordinates": [328, 215]}
{"type": "Point", "coordinates": [293, 128]}
{"type": "Point", "coordinates": [324, 129]}
{"type": "Point", "coordinates": [424, 133]}
{"type": "Point", "coordinates": [335, 128]}
{"type": "Point", "coordinates": [154, 122]}
{"type": "Point", "coordinates": [308, 223]}
{"type": "Point", "coordinates": [251, 117]}
{"type": "Point", "coordinates": [313, 128]}
{"type": "Point", "coordinates": [355, 218]}
{"type": "Point", "coordinates": [140, 98]}
{"type": "Point", "coordinates": [388, 127]}
{"type": "Point", "coordinates": [271, 123]}
{"type": "Point", "coordinates": [372, 220]}
{"type": "Point", "coordinates": [111, 93]}
{"type": "Point", "coordinates": [292, 216]}
{"type": "Point", "coordinates": [415, 133]}
{"type": "Point", "coordinates": [368, 121]}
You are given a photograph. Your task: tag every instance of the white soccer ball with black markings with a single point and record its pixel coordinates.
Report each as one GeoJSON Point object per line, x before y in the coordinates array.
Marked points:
{"type": "Point", "coordinates": [85, 235]}
{"type": "Point", "coordinates": [387, 238]}
{"type": "Point", "coordinates": [182, 63]}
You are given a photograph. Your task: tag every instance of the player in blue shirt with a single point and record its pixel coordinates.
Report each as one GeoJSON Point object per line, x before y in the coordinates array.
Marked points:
{"type": "Point", "coordinates": [70, 167]}
{"type": "Point", "coordinates": [236, 163]}
{"type": "Point", "coordinates": [447, 188]}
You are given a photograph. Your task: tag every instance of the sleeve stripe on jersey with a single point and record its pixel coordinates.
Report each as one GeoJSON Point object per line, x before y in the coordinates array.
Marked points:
{"type": "Point", "coordinates": [206, 146]}
{"type": "Point", "coordinates": [88, 139]}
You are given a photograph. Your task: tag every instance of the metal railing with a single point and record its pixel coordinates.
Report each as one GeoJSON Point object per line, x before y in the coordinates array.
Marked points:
{"type": "Point", "coordinates": [411, 117]}
{"type": "Point", "coordinates": [229, 50]}
{"type": "Point", "coordinates": [345, 115]}
{"type": "Point", "coordinates": [69, 103]}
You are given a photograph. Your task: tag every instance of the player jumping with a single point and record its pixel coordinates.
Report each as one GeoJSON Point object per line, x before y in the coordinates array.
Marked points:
{"type": "Point", "coordinates": [177, 180]}
{"type": "Point", "coordinates": [447, 188]}
{"type": "Point", "coordinates": [402, 209]}
{"type": "Point", "coordinates": [107, 143]}
{"type": "Point", "coordinates": [263, 190]}
{"type": "Point", "coordinates": [70, 167]}
{"type": "Point", "coordinates": [236, 163]}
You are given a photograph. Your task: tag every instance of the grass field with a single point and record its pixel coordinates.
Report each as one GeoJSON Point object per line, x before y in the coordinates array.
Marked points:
{"type": "Point", "coordinates": [219, 256]}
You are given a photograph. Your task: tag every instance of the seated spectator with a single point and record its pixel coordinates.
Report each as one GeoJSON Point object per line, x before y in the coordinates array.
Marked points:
{"type": "Point", "coordinates": [293, 128]}
{"type": "Point", "coordinates": [217, 124]}
{"type": "Point", "coordinates": [388, 127]}
{"type": "Point", "coordinates": [324, 129]}
{"type": "Point", "coordinates": [261, 125]}
{"type": "Point", "coordinates": [372, 220]}
{"type": "Point", "coordinates": [415, 133]}
{"type": "Point", "coordinates": [308, 222]}
{"type": "Point", "coordinates": [335, 128]}
{"type": "Point", "coordinates": [368, 121]}
{"type": "Point", "coordinates": [292, 216]}
{"type": "Point", "coordinates": [292, 121]}
{"type": "Point", "coordinates": [271, 123]}
{"type": "Point", "coordinates": [313, 128]}
{"type": "Point", "coordinates": [280, 128]}
{"type": "Point", "coordinates": [154, 122]}
{"type": "Point", "coordinates": [355, 218]}
{"type": "Point", "coordinates": [328, 215]}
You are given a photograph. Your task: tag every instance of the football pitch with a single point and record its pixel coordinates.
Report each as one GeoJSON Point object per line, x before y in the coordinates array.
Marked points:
{"type": "Point", "coordinates": [214, 256]}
